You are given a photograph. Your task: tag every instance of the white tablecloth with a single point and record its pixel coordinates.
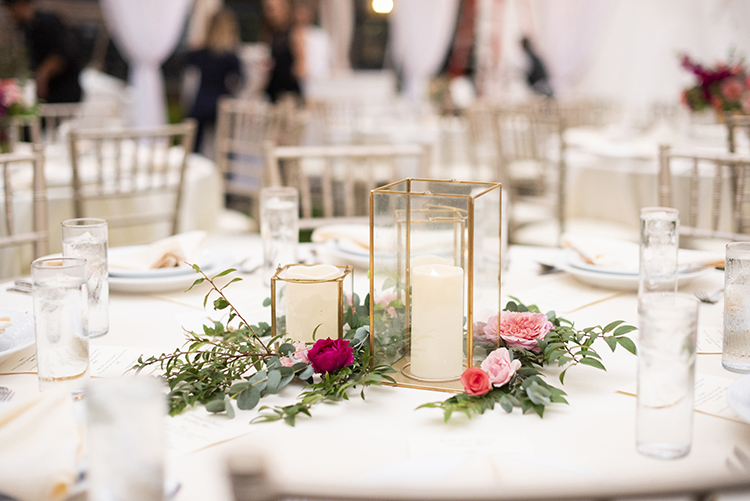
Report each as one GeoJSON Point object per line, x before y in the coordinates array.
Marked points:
{"type": "Point", "coordinates": [201, 203]}
{"type": "Point", "coordinates": [384, 444]}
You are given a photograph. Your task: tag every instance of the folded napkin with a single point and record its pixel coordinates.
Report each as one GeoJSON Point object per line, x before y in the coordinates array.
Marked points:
{"type": "Point", "coordinates": [39, 447]}
{"type": "Point", "coordinates": [623, 255]}
{"type": "Point", "coordinates": [166, 253]}
{"type": "Point", "coordinates": [358, 234]}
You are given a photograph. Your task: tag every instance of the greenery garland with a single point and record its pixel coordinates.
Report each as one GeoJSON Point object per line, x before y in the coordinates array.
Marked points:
{"type": "Point", "coordinates": [237, 361]}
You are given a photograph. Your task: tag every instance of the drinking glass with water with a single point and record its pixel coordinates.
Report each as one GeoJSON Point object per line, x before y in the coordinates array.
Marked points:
{"type": "Point", "coordinates": [87, 238]}
{"type": "Point", "coordinates": [279, 228]}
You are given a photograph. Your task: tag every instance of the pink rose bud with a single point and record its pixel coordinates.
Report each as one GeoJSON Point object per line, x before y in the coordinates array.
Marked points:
{"type": "Point", "coordinates": [499, 367]}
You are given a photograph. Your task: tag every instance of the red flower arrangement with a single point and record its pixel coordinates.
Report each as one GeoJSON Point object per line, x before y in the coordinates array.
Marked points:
{"type": "Point", "coordinates": [725, 87]}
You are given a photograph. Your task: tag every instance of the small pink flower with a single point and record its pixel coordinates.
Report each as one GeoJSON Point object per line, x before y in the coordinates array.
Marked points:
{"type": "Point", "coordinates": [499, 367]}
{"type": "Point", "coordinates": [286, 361]}
{"type": "Point", "coordinates": [732, 89]}
{"type": "Point", "coordinates": [475, 381]}
{"type": "Point", "coordinates": [385, 299]}
{"type": "Point", "coordinates": [522, 329]}
{"type": "Point", "coordinates": [300, 353]}
{"type": "Point", "coordinates": [11, 93]}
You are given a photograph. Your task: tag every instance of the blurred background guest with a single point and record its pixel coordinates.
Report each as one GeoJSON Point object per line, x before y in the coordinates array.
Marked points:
{"type": "Point", "coordinates": [52, 52]}
{"type": "Point", "coordinates": [536, 72]}
{"type": "Point", "coordinates": [314, 59]}
{"type": "Point", "coordinates": [220, 71]}
{"type": "Point", "coordinates": [286, 50]}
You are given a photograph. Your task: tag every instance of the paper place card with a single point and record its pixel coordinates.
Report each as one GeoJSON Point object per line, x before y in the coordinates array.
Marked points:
{"type": "Point", "coordinates": [709, 340]}
{"type": "Point", "coordinates": [709, 398]}
{"type": "Point", "coordinates": [104, 361]}
{"type": "Point", "coordinates": [197, 429]}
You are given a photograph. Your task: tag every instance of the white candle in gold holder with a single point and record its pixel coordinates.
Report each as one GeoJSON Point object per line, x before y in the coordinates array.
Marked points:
{"type": "Point", "coordinates": [437, 321]}
{"type": "Point", "coordinates": [310, 304]}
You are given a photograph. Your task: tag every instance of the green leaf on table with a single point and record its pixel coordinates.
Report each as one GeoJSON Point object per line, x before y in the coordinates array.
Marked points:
{"type": "Point", "coordinates": [627, 343]}
{"type": "Point", "coordinates": [267, 302]}
{"type": "Point", "coordinates": [229, 406]}
{"type": "Point", "coordinates": [216, 406]}
{"type": "Point", "coordinates": [624, 329]}
{"type": "Point", "coordinates": [274, 379]}
{"type": "Point", "coordinates": [593, 363]}
{"type": "Point", "coordinates": [225, 272]}
{"type": "Point", "coordinates": [198, 281]}
{"type": "Point", "coordinates": [248, 399]}
{"type": "Point", "coordinates": [611, 342]}
{"type": "Point", "coordinates": [612, 325]}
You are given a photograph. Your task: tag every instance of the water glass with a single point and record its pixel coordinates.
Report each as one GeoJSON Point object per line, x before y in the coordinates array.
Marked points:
{"type": "Point", "coordinates": [126, 438]}
{"type": "Point", "coordinates": [735, 353]}
{"type": "Point", "coordinates": [666, 374]}
{"type": "Point", "coordinates": [60, 318]}
{"type": "Point", "coordinates": [87, 238]}
{"type": "Point", "coordinates": [660, 238]}
{"type": "Point", "coordinates": [279, 228]}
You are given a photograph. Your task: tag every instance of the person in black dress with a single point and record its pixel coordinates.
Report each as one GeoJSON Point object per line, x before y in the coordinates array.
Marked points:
{"type": "Point", "coordinates": [283, 77]}
{"type": "Point", "coordinates": [536, 74]}
{"type": "Point", "coordinates": [53, 55]}
{"type": "Point", "coordinates": [220, 70]}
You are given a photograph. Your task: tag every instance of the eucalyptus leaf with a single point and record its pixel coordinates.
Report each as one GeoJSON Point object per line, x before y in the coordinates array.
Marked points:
{"type": "Point", "coordinates": [248, 399]}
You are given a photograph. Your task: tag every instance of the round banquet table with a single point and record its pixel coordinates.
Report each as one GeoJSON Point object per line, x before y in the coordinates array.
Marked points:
{"type": "Point", "coordinates": [201, 204]}
{"type": "Point", "coordinates": [382, 446]}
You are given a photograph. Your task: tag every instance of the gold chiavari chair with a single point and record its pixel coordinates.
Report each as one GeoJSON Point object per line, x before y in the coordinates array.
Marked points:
{"type": "Point", "coordinates": [736, 125]}
{"type": "Point", "coordinates": [14, 234]}
{"type": "Point", "coordinates": [333, 180]}
{"type": "Point", "coordinates": [718, 195]}
{"type": "Point", "coordinates": [132, 163]}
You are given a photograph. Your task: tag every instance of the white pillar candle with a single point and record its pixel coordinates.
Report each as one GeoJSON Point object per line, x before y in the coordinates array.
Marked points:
{"type": "Point", "coordinates": [311, 304]}
{"type": "Point", "coordinates": [437, 321]}
{"type": "Point", "coordinates": [428, 259]}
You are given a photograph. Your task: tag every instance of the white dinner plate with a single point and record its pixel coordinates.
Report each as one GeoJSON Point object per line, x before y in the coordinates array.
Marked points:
{"type": "Point", "coordinates": [616, 281]}
{"type": "Point", "coordinates": [738, 396]}
{"type": "Point", "coordinates": [18, 336]}
{"type": "Point", "coordinates": [147, 285]}
{"type": "Point", "coordinates": [205, 259]}
{"type": "Point", "coordinates": [333, 252]}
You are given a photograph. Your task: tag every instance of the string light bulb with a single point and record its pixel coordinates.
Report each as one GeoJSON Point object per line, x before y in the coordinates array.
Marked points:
{"type": "Point", "coordinates": [382, 6]}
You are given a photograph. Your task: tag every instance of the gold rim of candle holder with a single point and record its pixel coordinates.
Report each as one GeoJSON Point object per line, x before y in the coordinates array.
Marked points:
{"type": "Point", "coordinates": [406, 371]}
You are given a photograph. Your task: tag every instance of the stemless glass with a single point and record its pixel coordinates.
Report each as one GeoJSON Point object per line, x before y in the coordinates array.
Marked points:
{"type": "Point", "coordinates": [735, 353]}
{"type": "Point", "coordinates": [87, 238]}
{"type": "Point", "coordinates": [660, 238]}
{"type": "Point", "coordinates": [666, 374]}
{"type": "Point", "coordinates": [279, 228]}
{"type": "Point", "coordinates": [126, 438]}
{"type": "Point", "coordinates": [60, 318]}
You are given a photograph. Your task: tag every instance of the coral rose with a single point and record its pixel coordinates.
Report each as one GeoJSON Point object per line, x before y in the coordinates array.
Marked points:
{"type": "Point", "coordinates": [330, 355]}
{"type": "Point", "coordinates": [499, 367]}
{"type": "Point", "coordinates": [476, 382]}
{"type": "Point", "coordinates": [522, 329]}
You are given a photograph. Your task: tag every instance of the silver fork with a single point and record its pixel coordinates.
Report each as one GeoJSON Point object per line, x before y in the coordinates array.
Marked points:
{"type": "Point", "coordinates": [708, 299]}
{"type": "Point", "coordinates": [6, 393]}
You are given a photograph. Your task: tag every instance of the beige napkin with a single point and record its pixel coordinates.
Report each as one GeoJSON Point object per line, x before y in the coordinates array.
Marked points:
{"type": "Point", "coordinates": [624, 255]}
{"type": "Point", "coordinates": [39, 446]}
{"type": "Point", "coordinates": [166, 253]}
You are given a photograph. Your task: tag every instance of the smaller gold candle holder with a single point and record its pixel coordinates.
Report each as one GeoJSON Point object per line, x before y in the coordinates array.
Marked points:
{"type": "Point", "coordinates": [309, 299]}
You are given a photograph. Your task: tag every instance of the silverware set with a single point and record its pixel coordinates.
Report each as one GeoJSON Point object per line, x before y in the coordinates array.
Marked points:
{"type": "Point", "coordinates": [22, 285]}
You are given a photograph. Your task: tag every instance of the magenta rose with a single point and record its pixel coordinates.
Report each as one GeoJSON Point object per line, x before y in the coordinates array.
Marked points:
{"type": "Point", "coordinates": [522, 329]}
{"type": "Point", "coordinates": [476, 382]}
{"type": "Point", "coordinates": [499, 367]}
{"type": "Point", "coordinates": [330, 355]}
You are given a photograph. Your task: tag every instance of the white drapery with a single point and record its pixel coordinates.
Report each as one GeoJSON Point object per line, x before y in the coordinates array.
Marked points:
{"type": "Point", "coordinates": [146, 32]}
{"type": "Point", "coordinates": [421, 32]}
{"type": "Point", "coordinates": [337, 19]}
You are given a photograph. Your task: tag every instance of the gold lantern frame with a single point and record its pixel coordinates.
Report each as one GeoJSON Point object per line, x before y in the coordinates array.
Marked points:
{"type": "Point", "coordinates": [464, 255]}
{"type": "Point", "coordinates": [347, 271]}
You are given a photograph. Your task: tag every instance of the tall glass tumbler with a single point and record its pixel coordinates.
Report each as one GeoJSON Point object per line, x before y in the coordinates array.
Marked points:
{"type": "Point", "coordinates": [87, 238]}
{"type": "Point", "coordinates": [126, 438]}
{"type": "Point", "coordinates": [735, 353]}
{"type": "Point", "coordinates": [279, 228]}
{"type": "Point", "coordinates": [666, 374]}
{"type": "Point", "coordinates": [60, 318]}
{"type": "Point", "coordinates": [660, 239]}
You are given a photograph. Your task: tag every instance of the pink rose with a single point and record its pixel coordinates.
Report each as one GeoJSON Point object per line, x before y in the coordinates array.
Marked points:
{"type": "Point", "coordinates": [732, 89]}
{"type": "Point", "coordinates": [476, 382]}
{"type": "Point", "coordinates": [385, 299]}
{"type": "Point", "coordinates": [330, 355]}
{"type": "Point", "coordinates": [488, 331]}
{"type": "Point", "coordinates": [499, 367]}
{"type": "Point", "coordinates": [522, 329]}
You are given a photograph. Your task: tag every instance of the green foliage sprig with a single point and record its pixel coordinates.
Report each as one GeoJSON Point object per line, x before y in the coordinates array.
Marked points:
{"type": "Point", "coordinates": [564, 346]}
